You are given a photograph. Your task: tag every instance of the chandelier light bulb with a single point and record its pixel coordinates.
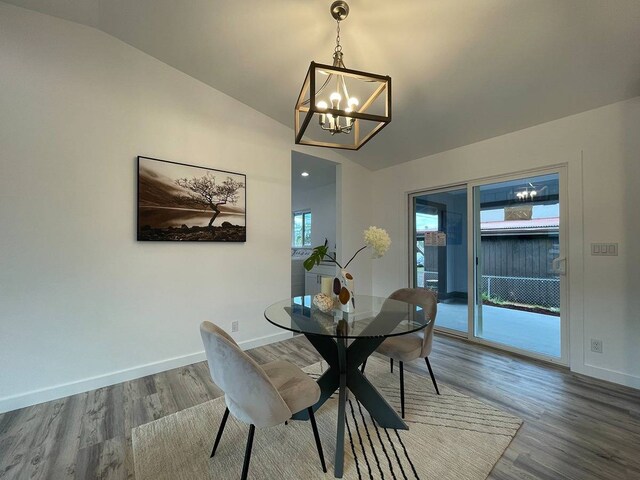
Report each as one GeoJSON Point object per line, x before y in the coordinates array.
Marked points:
{"type": "Point", "coordinates": [349, 119]}
{"type": "Point", "coordinates": [336, 113]}
{"type": "Point", "coordinates": [335, 99]}
{"type": "Point", "coordinates": [322, 105]}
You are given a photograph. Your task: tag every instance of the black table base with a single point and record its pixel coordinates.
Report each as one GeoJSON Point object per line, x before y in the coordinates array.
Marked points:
{"type": "Point", "coordinates": [344, 362]}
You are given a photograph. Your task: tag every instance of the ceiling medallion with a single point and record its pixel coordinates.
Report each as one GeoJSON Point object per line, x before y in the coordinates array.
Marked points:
{"type": "Point", "coordinates": [331, 93]}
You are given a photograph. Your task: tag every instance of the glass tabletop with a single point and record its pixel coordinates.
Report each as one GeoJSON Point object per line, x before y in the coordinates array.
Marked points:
{"type": "Point", "coordinates": [374, 317]}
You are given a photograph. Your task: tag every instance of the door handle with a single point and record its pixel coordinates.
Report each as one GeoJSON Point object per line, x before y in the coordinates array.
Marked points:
{"type": "Point", "coordinates": [559, 265]}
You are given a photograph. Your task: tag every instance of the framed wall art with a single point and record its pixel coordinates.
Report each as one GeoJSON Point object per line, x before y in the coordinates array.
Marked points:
{"type": "Point", "coordinates": [178, 202]}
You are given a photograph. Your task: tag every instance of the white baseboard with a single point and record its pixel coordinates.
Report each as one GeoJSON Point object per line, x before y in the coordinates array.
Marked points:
{"type": "Point", "coordinates": [266, 340]}
{"type": "Point", "coordinates": [71, 388]}
{"type": "Point", "coordinates": [608, 375]}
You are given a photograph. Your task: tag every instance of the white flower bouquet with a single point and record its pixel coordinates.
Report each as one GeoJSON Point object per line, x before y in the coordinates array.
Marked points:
{"type": "Point", "coordinates": [375, 238]}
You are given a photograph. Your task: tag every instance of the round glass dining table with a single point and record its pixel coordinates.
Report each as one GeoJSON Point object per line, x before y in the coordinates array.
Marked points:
{"type": "Point", "coordinates": [345, 341]}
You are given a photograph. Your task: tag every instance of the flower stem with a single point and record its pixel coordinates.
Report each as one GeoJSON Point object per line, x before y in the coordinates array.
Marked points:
{"type": "Point", "coordinates": [333, 260]}
{"type": "Point", "coordinates": [354, 256]}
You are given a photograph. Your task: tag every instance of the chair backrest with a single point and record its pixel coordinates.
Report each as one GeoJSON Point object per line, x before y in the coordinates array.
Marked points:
{"type": "Point", "coordinates": [427, 300]}
{"type": "Point", "coordinates": [250, 396]}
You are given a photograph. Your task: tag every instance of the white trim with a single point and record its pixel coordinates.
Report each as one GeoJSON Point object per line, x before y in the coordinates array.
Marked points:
{"type": "Point", "coordinates": [518, 351]}
{"type": "Point", "coordinates": [565, 252]}
{"type": "Point", "coordinates": [561, 169]}
{"type": "Point", "coordinates": [47, 394]}
{"type": "Point", "coordinates": [575, 188]}
{"type": "Point", "coordinates": [451, 332]}
{"type": "Point", "coordinates": [265, 340]}
{"type": "Point", "coordinates": [608, 375]}
{"type": "Point", "coordinates": [472, 287]}
{"type": "Point", "coordinates": [487, 179]}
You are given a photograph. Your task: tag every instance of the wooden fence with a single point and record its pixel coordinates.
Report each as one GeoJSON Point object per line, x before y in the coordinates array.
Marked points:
{"type": "Point", "coordinates": [519, 256]}
{"type": "Point", "coordinates": [511, 256]}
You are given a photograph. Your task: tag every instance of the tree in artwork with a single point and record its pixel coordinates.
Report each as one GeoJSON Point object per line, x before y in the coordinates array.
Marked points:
{"type": "Point", "coordinates": [207, 192]}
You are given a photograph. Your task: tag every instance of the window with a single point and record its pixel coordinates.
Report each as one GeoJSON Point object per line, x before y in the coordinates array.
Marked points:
{"type": "Point", "coordinates": [302, 229]}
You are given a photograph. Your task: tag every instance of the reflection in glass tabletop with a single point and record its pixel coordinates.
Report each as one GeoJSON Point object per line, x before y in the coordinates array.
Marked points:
{"type": "Point", "coordinates": [374, 317]}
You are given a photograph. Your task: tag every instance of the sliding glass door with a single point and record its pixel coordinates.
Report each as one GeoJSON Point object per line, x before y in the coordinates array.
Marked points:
{"type": "Point", "coordinates": [503, 240]}
{"type": "Point", "coordinates": [439, 251]}
{"type": "Point", "coordinates": [518, 274]}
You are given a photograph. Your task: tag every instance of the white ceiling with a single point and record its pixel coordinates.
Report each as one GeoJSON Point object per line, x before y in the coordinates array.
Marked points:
{"type": "Point", "coordinates": [321, 172]}
{"type": "Point", "coordinates": [462, 70]}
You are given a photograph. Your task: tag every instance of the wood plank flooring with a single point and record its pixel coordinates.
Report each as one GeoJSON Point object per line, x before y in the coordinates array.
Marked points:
{"type": "Point", "coordinates": [574, 427]}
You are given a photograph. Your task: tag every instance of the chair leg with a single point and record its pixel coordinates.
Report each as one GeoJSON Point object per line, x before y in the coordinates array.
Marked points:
{"type": "Point", "coordinates": [247, 453]}
{"type": "Point", "coordinates": [312, 417]}
{"type": "Point", "coordinates": [364, 364]}
{"type": "Point", "coordinates": [391, 363]}
{"type": "Point", "coordinates": [433, 378]}
{"type": "Point", "coordinates": [220, 430]}
{"type": "Point", "coordinates": [402, 388]}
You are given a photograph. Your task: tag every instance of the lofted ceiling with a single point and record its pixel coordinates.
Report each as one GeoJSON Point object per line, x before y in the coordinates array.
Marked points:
{"type": "Point", "coordinates": [462, 70]}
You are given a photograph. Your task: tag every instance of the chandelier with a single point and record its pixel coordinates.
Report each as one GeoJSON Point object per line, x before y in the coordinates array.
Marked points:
{"type": "Point", "coordinates": [350, 106]}
{"type": "Point", "coordinates": [529, 194]}
{"type": "Point", "coordinates": [526, 194]}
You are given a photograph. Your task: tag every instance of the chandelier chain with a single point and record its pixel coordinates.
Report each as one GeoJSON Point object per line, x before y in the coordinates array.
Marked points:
{"type": "Point", "coordinates": [325, 97]}
{"type": "Point", "coordinates": [338, 48]}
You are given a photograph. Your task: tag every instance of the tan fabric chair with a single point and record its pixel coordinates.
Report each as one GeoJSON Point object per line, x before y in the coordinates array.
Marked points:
{"type": "Point", "coordinates": [406, 348]}
{"type": "Point", "coordinates": [260, 395]}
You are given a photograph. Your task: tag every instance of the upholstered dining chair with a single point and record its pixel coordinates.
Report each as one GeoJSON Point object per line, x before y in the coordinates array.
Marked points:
{"type": "Point", "coordinates": [260, 395]}
{"type": "Point", "coordinates": [406, 348]}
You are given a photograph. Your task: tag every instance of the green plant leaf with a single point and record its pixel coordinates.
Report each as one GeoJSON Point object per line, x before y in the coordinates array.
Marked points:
{"type": "Point", "coordinates": [316, 256]}
{"type": "Point", "coordinates": [309, 262]}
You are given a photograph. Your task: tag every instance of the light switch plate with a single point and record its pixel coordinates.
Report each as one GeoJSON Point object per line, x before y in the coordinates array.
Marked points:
{"type": "Point", "coordinates": [604, 249]}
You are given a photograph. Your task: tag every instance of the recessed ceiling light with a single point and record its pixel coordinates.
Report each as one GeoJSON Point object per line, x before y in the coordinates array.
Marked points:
{"type": "Point", "coordinates": [305, 174]}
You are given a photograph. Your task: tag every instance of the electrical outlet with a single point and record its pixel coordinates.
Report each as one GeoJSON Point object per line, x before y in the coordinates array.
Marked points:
{"type": "Point", "coordinates": [596, 345]}
{"type": "Point", "coordinates": [234, 326]}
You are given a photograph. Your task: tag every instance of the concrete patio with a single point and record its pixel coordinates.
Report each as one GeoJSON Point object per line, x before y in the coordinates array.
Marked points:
{"type": "Point", "coordinates": [535, 332]}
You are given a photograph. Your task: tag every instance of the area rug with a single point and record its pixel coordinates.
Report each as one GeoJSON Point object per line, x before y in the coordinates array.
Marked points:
{"type": "Point", "coordinates": [450, 436]}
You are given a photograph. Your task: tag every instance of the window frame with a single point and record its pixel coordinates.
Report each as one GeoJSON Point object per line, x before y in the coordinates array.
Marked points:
{"type": "Point", "coordinates": [302, 214]}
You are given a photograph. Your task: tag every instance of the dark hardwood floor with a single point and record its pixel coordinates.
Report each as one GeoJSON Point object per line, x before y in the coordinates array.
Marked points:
{"type": "Point", "coordinates": [574, 427]}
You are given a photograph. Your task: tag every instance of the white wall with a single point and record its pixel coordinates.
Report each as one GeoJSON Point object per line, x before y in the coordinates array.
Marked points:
{"type": "Point", "coordinates": [355, 198]}
{"type": "Point", "coordinates": [321, 201]}
{"type": "Point", "coordinates": [602, 151]}
{"type": "Point", "coordinates": [82, 304]}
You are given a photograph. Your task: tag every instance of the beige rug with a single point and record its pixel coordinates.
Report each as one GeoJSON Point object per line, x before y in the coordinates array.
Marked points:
{"type": "Point", "coordinates": [450, 436]}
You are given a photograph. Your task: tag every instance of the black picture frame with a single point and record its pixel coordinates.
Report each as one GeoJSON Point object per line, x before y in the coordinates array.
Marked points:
{"type": "Point", "coordinates": [171, 207]}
